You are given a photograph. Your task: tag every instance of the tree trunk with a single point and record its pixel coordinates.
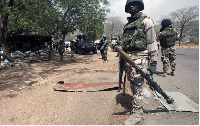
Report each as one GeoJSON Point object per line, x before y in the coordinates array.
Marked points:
{"type": "Point", "coordinates": [4, 33]}
{"type": "Point", "coordinates": [63, 37]}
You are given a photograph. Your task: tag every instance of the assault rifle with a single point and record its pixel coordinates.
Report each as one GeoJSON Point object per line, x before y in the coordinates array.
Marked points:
{"type": "Point", "coordinates": [153, 85]}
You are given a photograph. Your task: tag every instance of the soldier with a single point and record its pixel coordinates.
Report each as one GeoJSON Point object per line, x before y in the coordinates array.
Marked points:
{"type": "Point", "coordinates": [73, 50]}
{"type": "Point", "coordinates": [50, 49]}
{"type": "Point", "coordinates": [61, 49]}
{"type": "Point", "coordinates": [139, 42]}
{"type": "Point", "coordinates": [168, 37]}
{"type": "Point", "coordinates": [104, 49]}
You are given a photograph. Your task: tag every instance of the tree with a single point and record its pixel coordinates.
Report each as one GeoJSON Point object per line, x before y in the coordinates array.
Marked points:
{"type": "Point", "coordinates": [33, 17]}
{"type": "Point", "coordinates": [27, 17]}
{"type": "Point", "coordinates": [70, 13]}
{"type": "Point", "coordinates": [114, 26]}
{"type": "Point", "coordinates": [182, 18]}
{"type": "Point", "coordinates": [50, 17]}
{"type": "Point", "coordinates": [4, 13]}
{"type": "Point", "coordinates": [93, 18]}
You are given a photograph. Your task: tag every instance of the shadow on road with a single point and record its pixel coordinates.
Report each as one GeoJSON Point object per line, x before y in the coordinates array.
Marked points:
{"type": "Point", "coordinates": [155, 111]}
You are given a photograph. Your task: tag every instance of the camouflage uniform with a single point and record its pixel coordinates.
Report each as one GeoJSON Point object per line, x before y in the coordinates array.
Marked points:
{"type": "Point", "coordinates": [168, 56]}
{"type": "Point", "coordinates": [139, 42]}
{"type": "Point", "coordinates": [168, 50]}
{"type": "Point", "coordinates": [61, 49]}
{"type": "Point", "coordinates": [141, 57]}
{"type": "Point", "coordinates": [104, 49]}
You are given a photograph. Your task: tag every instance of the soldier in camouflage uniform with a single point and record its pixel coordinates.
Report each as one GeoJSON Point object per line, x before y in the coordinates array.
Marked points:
{"type": "Point", "coordinates": [104, 49]}
{"type": "Point", "coordinates": [73, 50]}
{"type": "Point", "coordinates": [139, 42]}
{"type": "Point", "coordinates": [61, 49]}
{"type": "Point", "coordinates": [50, 48]}
{"type": "Point", "coordinates": [168, 37]}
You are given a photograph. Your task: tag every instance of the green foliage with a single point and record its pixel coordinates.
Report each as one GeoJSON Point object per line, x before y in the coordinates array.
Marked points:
{"type": "Point", "coordinates": [32, 17]}
{"type": "Point", "coordinates": [193, 40]}
{"type": "Point", "coordinates": [59, 18]}
{"type": "Point", "coordinates": [94, 16]}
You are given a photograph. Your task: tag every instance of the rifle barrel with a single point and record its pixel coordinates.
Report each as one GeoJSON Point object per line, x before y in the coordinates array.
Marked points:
{"type": "Point", "coordinates": [146, 76]}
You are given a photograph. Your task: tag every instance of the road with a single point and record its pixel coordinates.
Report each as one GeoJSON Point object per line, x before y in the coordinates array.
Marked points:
{"type": "Point", "coordinates": [39, 104]}
{"type": "Point", "coordinates": [185, 81]}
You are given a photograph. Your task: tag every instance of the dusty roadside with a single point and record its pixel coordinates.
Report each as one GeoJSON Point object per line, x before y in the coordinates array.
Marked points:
{"type": "Point", "coordinates": [34, 102]}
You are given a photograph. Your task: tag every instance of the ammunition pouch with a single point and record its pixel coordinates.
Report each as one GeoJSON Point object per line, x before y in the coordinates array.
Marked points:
{"type": "Point", "coordinates": [169, 38]}
{"type": "Point", "coordinates": [130, 45]}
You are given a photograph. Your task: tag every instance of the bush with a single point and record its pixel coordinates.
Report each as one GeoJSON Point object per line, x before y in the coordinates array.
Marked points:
{"type": "Point", "coordinates": [193, 40]}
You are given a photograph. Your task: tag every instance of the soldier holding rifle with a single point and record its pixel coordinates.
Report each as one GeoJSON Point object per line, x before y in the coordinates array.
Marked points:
{"type": "Point", "coordinates": [139, 42]}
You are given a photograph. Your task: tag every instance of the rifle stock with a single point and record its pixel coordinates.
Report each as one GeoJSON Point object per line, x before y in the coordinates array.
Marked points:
{"type": "Point", "coordinates": [153, 85]}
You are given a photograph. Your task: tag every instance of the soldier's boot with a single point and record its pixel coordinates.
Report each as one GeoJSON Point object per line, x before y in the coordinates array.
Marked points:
{"type": "Point", "coordinates": [117, 55]}
{"type": "Point", "coordinates": [173, 73]}
{"type": "Point", "coordinates": [165, 74]}
{"type": "Point", "coordinates": [135, 118]}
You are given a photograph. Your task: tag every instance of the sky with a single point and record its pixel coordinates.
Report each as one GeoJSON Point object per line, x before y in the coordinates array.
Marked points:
{"type": "Point", "coordinates": [155, 9]}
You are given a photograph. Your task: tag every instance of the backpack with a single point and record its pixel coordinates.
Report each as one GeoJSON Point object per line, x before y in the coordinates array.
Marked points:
{"type": "Point", "coordinates": [134, 36]}
{"type": "Point", "coordinates": [168, 37]}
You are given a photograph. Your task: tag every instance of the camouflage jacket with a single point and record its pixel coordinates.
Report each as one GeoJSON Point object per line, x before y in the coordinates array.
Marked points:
{"type": "Point", "coordinates": [168, 37]}
{"type": "Point", "coordinates": [105, 45]}
{"type": "Point", "coordinates": [134, 37]}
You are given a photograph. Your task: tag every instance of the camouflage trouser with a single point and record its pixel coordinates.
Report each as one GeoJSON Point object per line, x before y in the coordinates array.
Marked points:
{"type": "Point", "coordinates": [153, 61]}
{"type": "Point", "coordinates": [61, 54]}
{"type": "Point", "coordinates": [168, 57]}
{"type": "Point", "coordinates": [104, 54]}
{"type": "Point", "coordinates": [72, 55]}
{"type": "Point", "coordinates": [136, 81]}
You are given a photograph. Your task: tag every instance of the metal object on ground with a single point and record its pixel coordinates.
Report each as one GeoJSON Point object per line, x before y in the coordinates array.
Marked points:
{"type": "Point", "coordinates": [61, 86]}
{"type": "Point", "coordinates": [181, 102]}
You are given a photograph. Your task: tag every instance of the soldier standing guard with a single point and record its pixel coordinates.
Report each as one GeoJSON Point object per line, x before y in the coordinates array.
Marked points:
{"type": "Point", "coordinates": [168, 37]}
{"type": "Point", "coordinates": [139, 42]}
{"type": "Point", "coordinates": [50, 49]}
{"type": "Point", "coordinates": [104, 49]}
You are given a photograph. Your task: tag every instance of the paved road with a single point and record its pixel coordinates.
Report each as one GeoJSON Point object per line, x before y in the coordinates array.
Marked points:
{"type": "Point", "coordinates": [185, 81]}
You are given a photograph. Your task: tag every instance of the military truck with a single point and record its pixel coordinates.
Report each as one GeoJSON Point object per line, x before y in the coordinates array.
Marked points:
{"type": "Point", "coordinates": [83, 45]}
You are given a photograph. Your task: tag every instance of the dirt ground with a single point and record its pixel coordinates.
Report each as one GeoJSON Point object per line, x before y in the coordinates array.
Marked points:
{"type": "Point", "coordinates": [28, 98]}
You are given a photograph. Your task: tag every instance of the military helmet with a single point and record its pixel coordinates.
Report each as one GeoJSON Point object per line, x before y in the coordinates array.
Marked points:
{"type": "Point", "coordinates": [129, 2]}
{"type": "Point", "coordinates": [166, 22]}
{"type": "Point", "coordinates": [79, 36]}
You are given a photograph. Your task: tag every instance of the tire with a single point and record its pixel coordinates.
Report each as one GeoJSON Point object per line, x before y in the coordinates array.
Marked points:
{"type": "Point", "coordinates": [80, 52]}
{"type": "Point", "coordinates": [95, 51]}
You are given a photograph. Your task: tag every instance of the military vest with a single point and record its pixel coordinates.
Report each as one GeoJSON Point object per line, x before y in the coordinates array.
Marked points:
{"type": "Point", "coordinates": [134, 37]}
{"type": "Point", "coordinates": [168, 37]}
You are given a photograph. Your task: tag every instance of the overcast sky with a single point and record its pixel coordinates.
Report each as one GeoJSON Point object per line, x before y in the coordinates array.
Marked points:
{"type": "Point", "coordinates": [152, 8]}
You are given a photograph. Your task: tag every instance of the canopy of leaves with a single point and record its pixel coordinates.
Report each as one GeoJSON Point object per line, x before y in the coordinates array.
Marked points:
{"type": "Point", "coordinates": [50, 17]}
